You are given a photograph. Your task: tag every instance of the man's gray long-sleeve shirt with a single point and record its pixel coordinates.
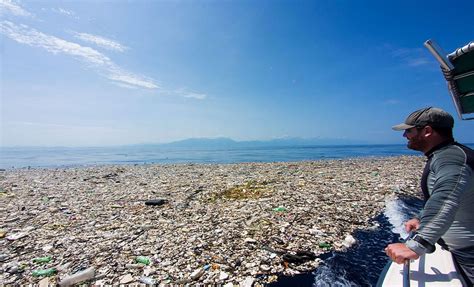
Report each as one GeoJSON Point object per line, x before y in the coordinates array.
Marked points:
{"type": "Point", "coordinates": [448, 184]}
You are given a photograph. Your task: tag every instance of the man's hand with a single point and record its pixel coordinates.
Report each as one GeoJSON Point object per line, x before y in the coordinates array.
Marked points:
{"type": "Point", "coordinates": [412, 225]}
{"type": "Point", "coordinates": [399, 253]}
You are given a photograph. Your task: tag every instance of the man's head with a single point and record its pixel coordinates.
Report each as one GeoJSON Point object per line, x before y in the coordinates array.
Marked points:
{"type": "Point", "coordinates": [427, 127]}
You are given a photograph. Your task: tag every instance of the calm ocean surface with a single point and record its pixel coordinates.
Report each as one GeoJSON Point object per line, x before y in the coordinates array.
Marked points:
{"type": "Point", "coordinates": [65, 157]}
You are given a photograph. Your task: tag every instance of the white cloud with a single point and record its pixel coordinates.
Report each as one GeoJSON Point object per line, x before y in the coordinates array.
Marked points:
{"type": "Point", "coordinates": [414, 57]}
{"type": "Point", "coordinates": [28, 36]}
{"type": "Point", "coordinates": [96, 60]}
{"type": "Point", "coordinates": [418, 62]}
{"type": "Point", "coordinates": [189, 94]}
{"type": "Point", "coordinates": [126, 86]}
{"type": "Point", "coordinates": [25, 35]}
{"type": "Point", "coordinates": [121, 76]}
{"type": "Point", "coordinates": [63, 11]}
{"type": "Point", "coordinates": [195, 96]}
{"type": "Point", "coordinates": [9, 6]}
{"type": "Point", "coordinates": [101, 41]}
{"type": "Point", "coordinates": [403, 52]}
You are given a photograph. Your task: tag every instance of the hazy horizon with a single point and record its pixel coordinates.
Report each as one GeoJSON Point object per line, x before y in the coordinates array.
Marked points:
{"type": "Point", "coordinates": [215, 141]}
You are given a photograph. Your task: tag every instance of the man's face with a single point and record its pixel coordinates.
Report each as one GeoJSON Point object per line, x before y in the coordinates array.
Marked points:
{"type": "Point", "coordinates": [416, 139]}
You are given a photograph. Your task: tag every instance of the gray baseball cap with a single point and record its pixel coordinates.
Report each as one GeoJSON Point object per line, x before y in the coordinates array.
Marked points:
{"type": "Point", "coordinates": [434, 117]}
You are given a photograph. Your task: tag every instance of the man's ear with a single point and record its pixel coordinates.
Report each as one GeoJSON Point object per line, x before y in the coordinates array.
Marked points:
{"type": "Point", "coordinates": [428, 131]}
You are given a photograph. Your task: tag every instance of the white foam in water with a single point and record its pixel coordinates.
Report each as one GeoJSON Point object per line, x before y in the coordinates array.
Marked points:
{"type": "Point", "coordinates": [324, 276]}
{"type": "Point", "coordinates": [396, 212]}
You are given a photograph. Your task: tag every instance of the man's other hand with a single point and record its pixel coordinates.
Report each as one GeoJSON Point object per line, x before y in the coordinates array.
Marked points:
{"type": "Point", "coordinates": [412, 225]}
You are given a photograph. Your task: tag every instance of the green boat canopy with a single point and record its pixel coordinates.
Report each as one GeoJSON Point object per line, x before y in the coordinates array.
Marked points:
{"type": "Point", "coordinates": [458, 70]}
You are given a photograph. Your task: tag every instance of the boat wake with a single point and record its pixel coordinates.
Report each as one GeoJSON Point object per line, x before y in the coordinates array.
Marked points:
{"type": "Point", "coordinates": [327, 276]}
{"type": "Point", "coordinates": [398, 211]}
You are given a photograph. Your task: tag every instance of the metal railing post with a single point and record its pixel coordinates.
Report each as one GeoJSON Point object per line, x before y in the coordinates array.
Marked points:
{"type": "Point", "coordinates": [406, 273]}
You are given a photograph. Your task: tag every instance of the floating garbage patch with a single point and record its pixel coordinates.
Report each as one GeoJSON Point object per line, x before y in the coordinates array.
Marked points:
{"type": "Point", "coordinates": [221, 224]}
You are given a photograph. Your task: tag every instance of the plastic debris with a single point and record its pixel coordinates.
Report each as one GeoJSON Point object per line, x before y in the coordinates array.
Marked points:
{"type": "Point", "coordinates": [45, 272]}
{"type": "Point", "coordinates": [156, 202]}
{"type": "Point", "coordinates": [349, 241]}
{"type": "Point", "coordinates": [147, 280]}
{"type": "Point", "coordinates": [299, 258]}
{"type": "Point", "coordinates": [16, 236]}
{"type": "Point", "coordinates": [223, 276]}
{"type": "Point", "coordinates": [45, 259]}
{"type": "Point", "coordinates": [221, 215]}
{"type": "Point", "coordinates": [47, 248]}
{"type": "Point", "coordinates": [279, 209]}
{"type": "Point", "coordinates": [3, 257]}
{"type": "Point", "coordinates": [325, 245]}
{"type": "Point", "coordinates": [197, 273]}
{"type": "Point", "coordinates": [250, 240]}
{"type": "Point", "coordinates": [44, 282]}
{"type": "Point", "coordinates": [143, 260]}
{"type": "Point", "coordinates": [126, 279]}
{"type": "Point", "coordinates": [78, 277]}
{"type": "Point", "coordinates": [248, 282]}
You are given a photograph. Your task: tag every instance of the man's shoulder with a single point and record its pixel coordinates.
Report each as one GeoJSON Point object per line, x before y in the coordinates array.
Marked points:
{"type": "Point", "coordinates": [455, 153]}
{"type": "Point", "coordinates": [451, 149]}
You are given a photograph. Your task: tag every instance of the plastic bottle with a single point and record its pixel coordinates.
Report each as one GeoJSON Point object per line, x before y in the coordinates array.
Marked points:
{"type": "Point", "coordinates": [45, 259]}
{"type": "Point", "coordinates": [156, 202]}
{"type": "Point", "coordinates": [147, 280]}
{"type": "Point", "coordinates": [197, 273]}
{"type": "Point", "coordinates": [279, 209]}
{"type": "Point", "coordinates": [143, 259]}
{"type": "Point", "coordinates": [78, 277]}
{"type": "Point", "coordinates": [325, 245]}
{"type": "Point", "coordinates": [45, 272]}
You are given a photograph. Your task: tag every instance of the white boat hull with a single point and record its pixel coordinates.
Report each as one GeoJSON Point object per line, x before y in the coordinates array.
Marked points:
{"type": "Point", "coordinates": [435, 269]}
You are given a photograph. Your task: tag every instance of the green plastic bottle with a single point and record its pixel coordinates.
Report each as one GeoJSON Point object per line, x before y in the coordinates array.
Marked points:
{"type": "Point", "coordinates": [279, 209]}
{"type": "Point", "coordinates": [325, 245]}
{"type": "Point", "coordinates": [45, 272]}
{"type": "Point", "coordinates": [143, 260]}
{"type": "Point", "coordinates": [45, 259]}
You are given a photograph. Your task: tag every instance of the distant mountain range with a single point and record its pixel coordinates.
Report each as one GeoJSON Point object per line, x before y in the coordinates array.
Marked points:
{"type": "Point", "coordinates": [281, 142]}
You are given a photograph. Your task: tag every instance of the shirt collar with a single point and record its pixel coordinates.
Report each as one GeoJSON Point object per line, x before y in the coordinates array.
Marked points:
{"type": "Point", "coordinates": [439, 146]}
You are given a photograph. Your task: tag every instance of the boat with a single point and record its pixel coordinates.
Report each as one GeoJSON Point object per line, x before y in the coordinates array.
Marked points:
{"type": "Point", "coordinates": [430, 270]}
{"type": "Point", "coordinates": [458, 70]}
{"type": "Point", "coordinates": [438, 268]}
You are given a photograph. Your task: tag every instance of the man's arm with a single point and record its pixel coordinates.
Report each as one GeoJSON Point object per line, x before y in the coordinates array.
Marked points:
{"type": "Point", "coordinates": [449, 183]}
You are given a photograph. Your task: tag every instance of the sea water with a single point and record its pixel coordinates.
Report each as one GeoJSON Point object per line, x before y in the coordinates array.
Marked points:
{"type": "Point", "coordinates": [21, 157]}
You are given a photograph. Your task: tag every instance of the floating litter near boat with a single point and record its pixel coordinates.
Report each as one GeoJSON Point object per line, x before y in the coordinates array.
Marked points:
{"type": "Point", "coordinates": [349, 241]}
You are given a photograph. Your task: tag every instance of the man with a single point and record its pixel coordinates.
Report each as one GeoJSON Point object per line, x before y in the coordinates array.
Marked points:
{"type": "Point", "coordinates": [448, 188]}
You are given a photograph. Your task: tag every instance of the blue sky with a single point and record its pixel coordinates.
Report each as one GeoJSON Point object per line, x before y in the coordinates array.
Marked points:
{"type": "Point", "coordinates": [93, 73]}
